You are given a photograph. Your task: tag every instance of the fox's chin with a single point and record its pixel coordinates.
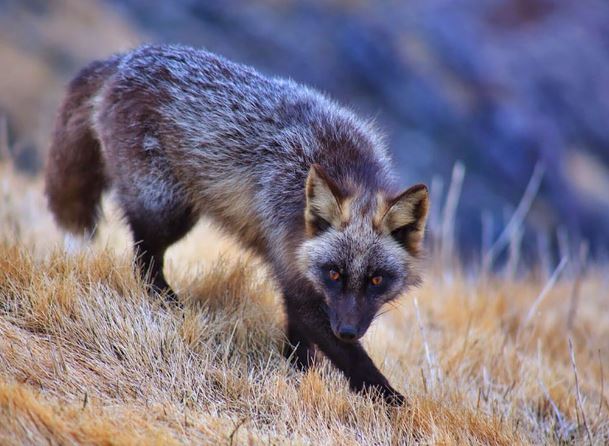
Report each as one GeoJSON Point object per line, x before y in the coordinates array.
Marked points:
{"type": "Point", "coordinates": [347, 341]}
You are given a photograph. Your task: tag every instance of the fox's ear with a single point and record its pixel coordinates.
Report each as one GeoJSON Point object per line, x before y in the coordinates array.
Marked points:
{"type": "Point", "coordinates": [324, 199]}
{"type": "Point", "coordinates": [405, 219]}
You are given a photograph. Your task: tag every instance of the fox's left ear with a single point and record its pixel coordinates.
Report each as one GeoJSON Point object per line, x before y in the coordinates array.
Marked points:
{"type": "Point", "coordinates": [405, 219]}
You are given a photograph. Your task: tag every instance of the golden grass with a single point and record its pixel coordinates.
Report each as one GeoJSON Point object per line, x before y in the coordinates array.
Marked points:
{"type": "Point", "coordinates": [87, 357]}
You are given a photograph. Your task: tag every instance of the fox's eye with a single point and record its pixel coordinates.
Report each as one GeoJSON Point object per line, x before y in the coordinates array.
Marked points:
{"type": "Point", "coordinates": [376, 280]}
{"type": "Point", "coordinates": [334, 275]}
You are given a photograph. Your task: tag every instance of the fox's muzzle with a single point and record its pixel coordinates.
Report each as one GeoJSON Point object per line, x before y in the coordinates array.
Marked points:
{"type": "Point", "coordinates": [348, 319]}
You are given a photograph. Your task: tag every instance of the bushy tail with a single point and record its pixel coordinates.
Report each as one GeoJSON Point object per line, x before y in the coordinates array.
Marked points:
{"type": "Point", "coordinates": [75, 174]}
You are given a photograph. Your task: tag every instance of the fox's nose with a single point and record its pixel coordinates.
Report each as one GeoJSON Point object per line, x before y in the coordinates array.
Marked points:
{"type": "Point", "coordinates": [347, 333]}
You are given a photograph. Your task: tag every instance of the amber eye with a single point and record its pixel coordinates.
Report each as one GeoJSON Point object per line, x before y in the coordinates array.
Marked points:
{"type": "Point", "coordinates": [376, 280]}
{"type": "Point", "coordinates": [334, 275]}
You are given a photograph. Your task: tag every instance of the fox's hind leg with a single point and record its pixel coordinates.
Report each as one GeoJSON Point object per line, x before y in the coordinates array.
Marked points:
{"type": "Point", "coordinates": [152, 238]}
{"type": "Point", "coordinates": [155, 228]}
{"type": "Point", "coordinates": [157, 209]}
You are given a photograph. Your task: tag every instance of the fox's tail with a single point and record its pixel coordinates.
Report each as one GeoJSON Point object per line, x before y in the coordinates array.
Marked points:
{"type": "Point", "coordinates": [75, 174]}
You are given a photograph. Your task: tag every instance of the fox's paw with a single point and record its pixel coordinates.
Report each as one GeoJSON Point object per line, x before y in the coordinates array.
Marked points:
{"type": "Point", "coordinates": [169, 299]}
{"type": "Point", "coordinates": [391, 396]}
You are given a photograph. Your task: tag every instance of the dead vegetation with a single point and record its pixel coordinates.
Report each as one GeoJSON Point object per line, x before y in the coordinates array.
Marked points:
{"type": "Point", "coordinates": [87, 357]}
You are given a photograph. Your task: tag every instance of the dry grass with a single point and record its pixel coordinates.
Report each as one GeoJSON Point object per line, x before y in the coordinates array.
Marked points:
{"type": "Point", "coordinates": [87, 357]}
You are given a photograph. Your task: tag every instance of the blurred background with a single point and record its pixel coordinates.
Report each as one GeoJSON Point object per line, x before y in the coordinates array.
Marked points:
{"type": "Point", "coordinates": [493, 87]}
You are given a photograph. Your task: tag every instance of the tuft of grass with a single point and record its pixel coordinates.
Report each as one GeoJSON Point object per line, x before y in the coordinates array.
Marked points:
{"type": "Point", "coordinates": [87, 357]}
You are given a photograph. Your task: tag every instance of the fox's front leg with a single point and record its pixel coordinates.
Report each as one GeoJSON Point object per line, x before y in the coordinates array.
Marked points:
{"type": "Point", "coordinates": [349, 357]}
{"type": "Point", "coordinates": [298, 348]}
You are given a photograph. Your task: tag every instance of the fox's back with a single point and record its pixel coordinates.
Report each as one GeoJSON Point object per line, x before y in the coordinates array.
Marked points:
{"type": "Point", "coordinates": [236, 143]}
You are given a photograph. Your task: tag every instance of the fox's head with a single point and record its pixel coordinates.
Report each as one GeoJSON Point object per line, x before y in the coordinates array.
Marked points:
{"type": "Point", "coordinates": [361, 248]}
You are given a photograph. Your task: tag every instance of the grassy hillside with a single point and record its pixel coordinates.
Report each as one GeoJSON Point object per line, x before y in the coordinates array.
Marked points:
{"type": "Point", "coordinates": [87, 357]}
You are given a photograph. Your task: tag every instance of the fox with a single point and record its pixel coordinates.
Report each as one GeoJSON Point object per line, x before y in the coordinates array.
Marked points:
{"type": "Point", "coordinates": [179, 134]}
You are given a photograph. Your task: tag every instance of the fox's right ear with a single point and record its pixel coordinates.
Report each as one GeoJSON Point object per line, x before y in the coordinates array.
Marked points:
{"type": "Point", "coordinates": [324, 199]}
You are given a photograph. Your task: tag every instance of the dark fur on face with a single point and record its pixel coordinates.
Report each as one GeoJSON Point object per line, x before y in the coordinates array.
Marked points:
{"type": "Point", "coordinates": [355, 238]}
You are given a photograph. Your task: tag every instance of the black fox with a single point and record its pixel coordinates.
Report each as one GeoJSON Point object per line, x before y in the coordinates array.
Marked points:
{"type": "Point", "coordinates": [181, 133]}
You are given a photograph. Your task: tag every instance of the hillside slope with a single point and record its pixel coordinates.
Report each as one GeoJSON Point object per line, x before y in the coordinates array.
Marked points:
{"type": "Point", "coordinates": [87, 357]}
